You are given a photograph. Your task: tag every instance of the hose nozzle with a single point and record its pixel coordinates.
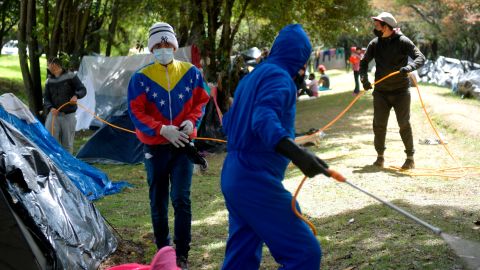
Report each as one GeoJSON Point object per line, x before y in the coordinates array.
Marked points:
{"type": "Point", "coordinates": [336, 175]}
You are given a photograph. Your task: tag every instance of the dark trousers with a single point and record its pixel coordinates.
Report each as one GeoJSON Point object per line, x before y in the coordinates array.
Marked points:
{"type": "Point", "coordinates": [305, 91]}
{"type": "Point", "coordinates": [382, 105]}
{"type": "Point", "coordinates": [356, 76]}
{"type": "Point", "coordinates": [170, 171]}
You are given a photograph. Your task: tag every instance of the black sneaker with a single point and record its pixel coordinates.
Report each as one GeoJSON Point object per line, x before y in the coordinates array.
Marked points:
{"type": "Point", "coordinates": [409, 164]}
{"type": "Point", "coordinates": [182, 262]}
{"type": "Point", "coordinates": [379, 162]}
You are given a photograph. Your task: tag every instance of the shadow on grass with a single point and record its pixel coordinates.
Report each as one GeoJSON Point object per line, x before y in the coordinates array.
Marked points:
{"type": "Point", "coordinates": [376, 237]}
{"type": "Point", "coordinates": [317, 113]}
{"type": "Point", "coordinates": [15, 87]}
{"type": "Point", "coordinates": [375, 169]}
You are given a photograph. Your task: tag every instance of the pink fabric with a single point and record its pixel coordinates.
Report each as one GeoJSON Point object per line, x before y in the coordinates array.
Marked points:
{"type": "Point", "coordinates": [165, 259]}
{"type": "Point", "coordinates": [130, 266]}
{"type": "Point", "coordinates": [213, 93]}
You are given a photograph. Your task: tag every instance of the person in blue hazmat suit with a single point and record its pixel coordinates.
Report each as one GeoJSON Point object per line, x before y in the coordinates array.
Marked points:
{"type": "Point", "coordinates": [260, 132]}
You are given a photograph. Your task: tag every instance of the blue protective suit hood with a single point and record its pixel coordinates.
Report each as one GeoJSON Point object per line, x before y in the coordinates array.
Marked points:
{"type": "Point", "coordinates": [263, 110]}
{"type": "Point", "coordinates": [291, 49]}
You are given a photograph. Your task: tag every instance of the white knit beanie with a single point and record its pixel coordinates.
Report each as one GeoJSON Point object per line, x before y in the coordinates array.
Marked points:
{"type": "Point", "coordinates": [161, 32]}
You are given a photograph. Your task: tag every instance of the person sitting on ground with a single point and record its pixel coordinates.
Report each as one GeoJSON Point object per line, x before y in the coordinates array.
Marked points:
{"type": "Point", "coordinates": [312, 86]}
{"type": "Point", "coordinates": [324, 79]}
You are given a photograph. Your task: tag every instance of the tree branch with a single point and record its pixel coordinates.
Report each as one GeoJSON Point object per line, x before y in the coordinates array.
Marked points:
{"type": "Point", "coordinates": [430, 21]}
{"type": "Point", "coordinates": [239, 20]}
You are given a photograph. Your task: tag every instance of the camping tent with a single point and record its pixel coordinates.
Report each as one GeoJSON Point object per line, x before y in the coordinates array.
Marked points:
{"type": "Point", "coordinates": [92, 182]}
{"type": "Point", "coordinates": [46, 222]}
{"type": "Point", "coordinates": [16, 241]}
{"type": "Point", "coordinates": [110, 145]}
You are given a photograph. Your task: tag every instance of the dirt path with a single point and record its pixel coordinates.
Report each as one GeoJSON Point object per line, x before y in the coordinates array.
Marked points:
{"type": "Point", "coordinates": [461, 115]}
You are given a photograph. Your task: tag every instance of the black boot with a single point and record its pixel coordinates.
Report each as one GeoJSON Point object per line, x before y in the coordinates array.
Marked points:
{"type": "Point", "coordinates": [379, 162]}
{"type": "Point", "coordinates": [182, 262]}
{"type": "Point", "coordinates": [409, 164]}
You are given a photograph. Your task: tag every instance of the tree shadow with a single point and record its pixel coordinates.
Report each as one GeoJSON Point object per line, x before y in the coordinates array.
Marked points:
{"type": "Point", "coordinates": [375, 169]}
{"type": "Point", "coordinates": [376, 237]}
{"type": "Point", "coordinates": [316, 113]}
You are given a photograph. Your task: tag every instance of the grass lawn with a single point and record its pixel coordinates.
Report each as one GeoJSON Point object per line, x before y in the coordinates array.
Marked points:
{"type": "Point", "coordinates": [355, 231]}
{"type": "Point", "coordinates": [11, 80]}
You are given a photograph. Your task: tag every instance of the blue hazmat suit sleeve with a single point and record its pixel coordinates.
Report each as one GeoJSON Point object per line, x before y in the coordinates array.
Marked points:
{"type": "Point", "coordinates": [275, 96]}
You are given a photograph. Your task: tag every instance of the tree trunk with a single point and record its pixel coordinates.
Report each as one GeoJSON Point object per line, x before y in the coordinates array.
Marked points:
{"type": "Point", "coordinates": [213, 12]}
{"type": "Point", "coordinates": [197, 30]}
{"type": "Point", "coordinates": [182, 32]}
{"type": "Point", "coordinates": [31, 76]}
{"type": "Point", "coordinates": [54, 44]}
{"type": "Point", "coordinates": [224, 49]}
{"type": "Point", "coordinates": [112, 28]}
{"type": "Point", "coordinates": [95, 24]}
{"type": "Point", "coordinates": [22, 46]}
{"type": "Point", "coordinates": [66, 44]}
{"type": "Point", "coordinates": [80, 31]}
{"type": "Point", "coordinates": [46, 37]}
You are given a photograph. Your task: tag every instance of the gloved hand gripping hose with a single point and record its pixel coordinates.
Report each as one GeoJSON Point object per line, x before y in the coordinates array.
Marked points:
{"type": "Point", "coordinates": [193, 155]}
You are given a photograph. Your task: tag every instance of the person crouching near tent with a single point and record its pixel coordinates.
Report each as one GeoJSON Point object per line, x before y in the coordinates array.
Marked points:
{"type": "Point", "coordinates": [165, 103]}
{"type": "Point", "coordinates": [62, 87]}
{"type": "Point", "coordinates": [260, 131]}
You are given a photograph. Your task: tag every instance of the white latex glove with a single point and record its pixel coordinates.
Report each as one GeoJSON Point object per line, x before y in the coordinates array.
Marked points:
{"type": "Point", "coordinates": [186, 127]}
{"type": "Point", "coordinates": [171, 133]}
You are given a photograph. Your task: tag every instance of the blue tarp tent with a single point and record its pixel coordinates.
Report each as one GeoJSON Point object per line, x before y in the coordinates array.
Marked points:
{"type": "Point", "coordinates": [122, 146]}
{"type": "Point", "coordinates": [92, 182]}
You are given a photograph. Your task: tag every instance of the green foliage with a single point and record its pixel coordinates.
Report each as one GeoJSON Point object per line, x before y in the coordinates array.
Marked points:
{"type": "Point", "coordinates": [328, 19]}
{"type": "Point", "coordinates": [9, 16]}
{"type": "Point", "coordinates": [325, 21]}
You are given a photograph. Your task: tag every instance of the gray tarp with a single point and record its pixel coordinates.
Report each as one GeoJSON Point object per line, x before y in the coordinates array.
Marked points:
{"type": "Point", "coordinates": [459, 75]}
{"type": "Point", "coordinates": [71, 223]}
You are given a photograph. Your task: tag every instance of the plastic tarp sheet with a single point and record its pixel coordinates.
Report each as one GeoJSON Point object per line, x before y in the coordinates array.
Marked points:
{"type": "Point", "coordinates": [446, 71]}
{"type": "Point", "coordinates": [92, 182]}
{"type": "Point", "coordinates": [64, 216]}
{"type": "Point", "coordinates": [106, 80]}
{"type": "Point", "coordinates": [469, 84]}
